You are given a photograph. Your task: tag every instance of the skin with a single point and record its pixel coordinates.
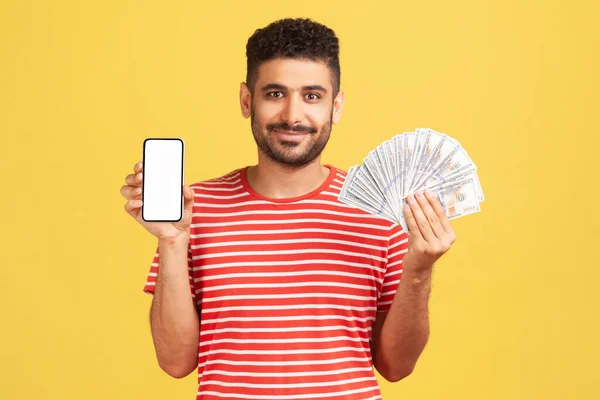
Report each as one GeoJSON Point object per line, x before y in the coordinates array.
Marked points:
{"type": "Point", "coordinates": [431, 232]}
{"type": "Point", "coordinates": [400, 335]}
{"type": "Point", "coordinates": [290, 166]}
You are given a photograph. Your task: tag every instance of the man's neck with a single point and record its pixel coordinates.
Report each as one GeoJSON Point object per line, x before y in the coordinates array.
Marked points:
{"type": "Point", "coordinates": [273, 180]}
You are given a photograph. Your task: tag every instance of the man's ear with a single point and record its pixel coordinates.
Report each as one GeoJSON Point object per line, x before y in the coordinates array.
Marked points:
{"type": "Point", "coordinates": [338, 105]}
{"type": "Point", "coordinates": [245, 99]}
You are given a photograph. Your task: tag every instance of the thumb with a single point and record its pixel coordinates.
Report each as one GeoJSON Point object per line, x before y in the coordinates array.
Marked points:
{"type": "Point", "coordinates": [188, 195]}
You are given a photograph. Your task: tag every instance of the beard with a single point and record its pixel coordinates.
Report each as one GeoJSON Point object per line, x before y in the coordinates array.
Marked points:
{"type": "Point", "coordinates": [290, 153]}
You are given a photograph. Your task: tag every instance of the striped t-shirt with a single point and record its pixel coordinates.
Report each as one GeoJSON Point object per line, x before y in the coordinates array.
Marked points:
{"type": "Point", "coordinates": [288, 290]}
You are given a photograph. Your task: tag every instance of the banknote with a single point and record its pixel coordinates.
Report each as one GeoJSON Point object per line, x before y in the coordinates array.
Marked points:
{"type": "Point", "coordinates": [412, 162]}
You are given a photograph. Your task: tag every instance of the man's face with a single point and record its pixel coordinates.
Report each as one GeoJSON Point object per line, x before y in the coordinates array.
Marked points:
{"type": "Point", "coordinates": [291, 111]}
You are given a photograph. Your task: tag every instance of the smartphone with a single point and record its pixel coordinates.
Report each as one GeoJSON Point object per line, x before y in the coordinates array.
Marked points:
{"type": "Point", "coordinates": [162, 180]}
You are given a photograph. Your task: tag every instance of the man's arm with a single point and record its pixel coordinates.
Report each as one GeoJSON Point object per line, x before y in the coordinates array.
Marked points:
{"type": "Point", "coordinates": [400, 335]}
{"type": "Point", "coordinates": [405, 330]}
{"type": "Point", "coordinates": [173, 317]}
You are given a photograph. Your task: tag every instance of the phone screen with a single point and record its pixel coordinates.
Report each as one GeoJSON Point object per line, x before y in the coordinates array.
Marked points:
{"type": "Point", "coordinates": [162, 180]}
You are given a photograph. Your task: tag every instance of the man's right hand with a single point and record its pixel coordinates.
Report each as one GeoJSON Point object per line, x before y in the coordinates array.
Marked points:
{"type": "Point", "coordinates": [132, 191]}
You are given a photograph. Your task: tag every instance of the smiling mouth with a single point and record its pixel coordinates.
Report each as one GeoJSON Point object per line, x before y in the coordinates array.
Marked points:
{"type": "Point", "coordinates": [290, 133]}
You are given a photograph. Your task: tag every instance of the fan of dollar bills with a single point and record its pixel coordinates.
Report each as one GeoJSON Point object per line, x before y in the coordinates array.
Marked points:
{"type": "Point", "coordinates": [412, 162]}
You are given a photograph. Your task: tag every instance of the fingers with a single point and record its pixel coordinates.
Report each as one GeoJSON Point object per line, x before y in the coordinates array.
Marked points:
{"type": "Point", "coordinates": [133, 187]}
{"type": "Point", "coordinates": [411, 223]}
{"type": "Point", "coordinates": [188, 192]}
{"type": "Point", "coordinates": [420, 219]}
{"type": "Point", "coordinates": [134, 179]}
{"type": "Point", "coordinates": [439, 210]}
{"type": "Point", "coordinates": [131, 192]}
{"type": "Point", "coordinates": [132, 205]}
{"type": "Point", "coordinates": [429, 213]}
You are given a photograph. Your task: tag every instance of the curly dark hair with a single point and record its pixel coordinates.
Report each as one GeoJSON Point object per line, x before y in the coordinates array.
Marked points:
{"type": "Point", "coordinates": [299, 38]}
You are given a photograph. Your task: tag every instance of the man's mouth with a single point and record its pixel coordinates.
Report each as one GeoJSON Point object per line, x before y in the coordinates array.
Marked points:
{"type": "Point", "coordinates": [289, 134]}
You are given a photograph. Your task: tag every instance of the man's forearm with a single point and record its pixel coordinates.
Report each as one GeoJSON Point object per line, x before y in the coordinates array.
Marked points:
{"type": "Point", "coordinates": [406, 328]}
{"type": "Point", "coordinates": [174, 319]}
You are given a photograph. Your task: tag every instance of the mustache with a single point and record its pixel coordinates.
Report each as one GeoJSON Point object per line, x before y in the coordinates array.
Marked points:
{"type": "Point", "coordinates": [286, 127]}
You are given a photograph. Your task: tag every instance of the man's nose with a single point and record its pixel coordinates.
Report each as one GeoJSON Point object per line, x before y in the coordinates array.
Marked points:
{"type": "Point", "coordinates": [292, 114]}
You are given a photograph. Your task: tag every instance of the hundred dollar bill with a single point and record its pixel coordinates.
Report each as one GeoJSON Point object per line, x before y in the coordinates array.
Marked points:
{"type": "Point", "coordinates": [393, 178]}
{"type": "Point", "coordinates": [355, 200]}
{"type": "Point", "coordinates": [456, 158]}
{"type": "Point", "coordinates": [421, 155]}
{"type": "Point", "coordinates": [419, 141]}
{"type": "Point", "coordinates": [375, 165]}
{"type": "Point", "coordinates": [457, 176]}
{"type": "Point", "coordinates": [408, 150]}
{"type": "Point", "coordinates": [430, 156]}
{"type": "Point", "coordinates": [459, 199]}
{"type": "Point", "coordinates": [366, 186]}
{"type": "Point", "coordinates": [398, 152]}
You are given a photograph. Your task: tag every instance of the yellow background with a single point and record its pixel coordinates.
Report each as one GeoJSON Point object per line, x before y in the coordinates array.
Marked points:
{"type": "Point", "coordinates": [514, 303]}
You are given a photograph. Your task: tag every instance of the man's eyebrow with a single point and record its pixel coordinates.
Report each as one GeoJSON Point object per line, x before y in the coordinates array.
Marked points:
{"type": "Point", "coordinates": [278, 86]}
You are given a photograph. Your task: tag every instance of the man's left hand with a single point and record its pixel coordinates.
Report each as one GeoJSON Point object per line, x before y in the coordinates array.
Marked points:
{"type": "Point", "coordinates": [431, 234]}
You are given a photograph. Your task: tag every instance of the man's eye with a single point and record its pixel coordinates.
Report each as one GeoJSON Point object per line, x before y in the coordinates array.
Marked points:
{"type": "Point", "coordinates": [270, 94]}
{"type": "Point", "coordinates": [314, 94]}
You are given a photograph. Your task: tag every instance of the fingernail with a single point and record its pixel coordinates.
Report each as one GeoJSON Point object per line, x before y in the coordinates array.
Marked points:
{"type": "Point", "coordinates": [420, 195]}
{"type": "Point", "coordinates": [138, 203]}
{"type": "Point", "coordinates": [428, 193]}
{"type": "Point", "coordinates": [411, 199]}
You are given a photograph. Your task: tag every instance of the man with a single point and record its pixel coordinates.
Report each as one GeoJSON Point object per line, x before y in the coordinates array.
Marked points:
{"type": "Point", "coordinates": [269, 286]}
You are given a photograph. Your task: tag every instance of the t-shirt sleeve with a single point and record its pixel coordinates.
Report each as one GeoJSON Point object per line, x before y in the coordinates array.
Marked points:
{"type": "Point", "coordinates": [151, 279]}
{"type": "Point", "coordinates": [397, 247]}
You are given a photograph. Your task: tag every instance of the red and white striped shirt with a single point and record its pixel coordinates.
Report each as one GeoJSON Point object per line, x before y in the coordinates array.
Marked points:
{"type": "Point", "coordinates": [288, 290]}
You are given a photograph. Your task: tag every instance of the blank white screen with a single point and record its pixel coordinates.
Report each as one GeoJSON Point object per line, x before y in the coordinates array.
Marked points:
{"type": "Point", "coordinates": [163, 177]}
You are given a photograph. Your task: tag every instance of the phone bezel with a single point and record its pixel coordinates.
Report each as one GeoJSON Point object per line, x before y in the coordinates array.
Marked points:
{"type": "Point", "coordinates": [182, 177]}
